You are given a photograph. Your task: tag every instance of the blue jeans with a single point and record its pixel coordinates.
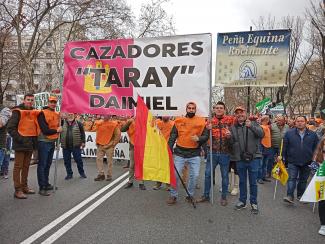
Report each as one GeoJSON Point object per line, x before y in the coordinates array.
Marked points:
{"type": "Point", "coordinates": [265, 162]}
{"type": "Point", "coordinates": [275, 154]}
{"type": "Point", "coordinates": [194, 170]}
{"type": "Point", "coordinates": [45, 157]}
{"type": "Point", "coordinates": [223, 161]}
{"type": "Point", "coordinates": [252, 169]}
{"type": "Point", "coordinates": [294, 171]}
{"type": "Point", "coordinates": [5, 163]}
{"type": "Point", "coordinates": [76, 152]}
{"type": "Point", "coordinates": [2, 156]}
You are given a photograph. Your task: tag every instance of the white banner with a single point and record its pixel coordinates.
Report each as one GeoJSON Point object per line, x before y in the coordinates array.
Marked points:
{"type": "Point", "coordinates": [183, 74]}
{"type": "Point", "coordinates": [121, 150]}
{"type": "Point", "coordinates": [106, 76]}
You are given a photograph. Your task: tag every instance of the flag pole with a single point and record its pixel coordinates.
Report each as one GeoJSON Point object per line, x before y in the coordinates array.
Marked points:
{"type": "Point", "coordinates": [56, 159]}
{"type": "Point", "coordinates": [276, 185]}
{"type": "Point", "coordinates": [314, 206]}
{"type": "Point", "coordinates": [188, 194]}
{"type": "Point", "coordinates": [210, 134]}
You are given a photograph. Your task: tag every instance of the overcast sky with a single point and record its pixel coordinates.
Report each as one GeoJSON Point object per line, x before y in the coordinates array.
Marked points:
{"type": "Point", "coordinates": [213, 16]}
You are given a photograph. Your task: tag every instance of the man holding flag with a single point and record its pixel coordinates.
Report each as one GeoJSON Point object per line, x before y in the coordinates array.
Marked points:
{"type": "Point", "coordinates": [189, 133]}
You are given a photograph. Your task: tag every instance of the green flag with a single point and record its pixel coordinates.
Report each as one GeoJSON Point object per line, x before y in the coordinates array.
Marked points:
{"type": "Point", "coordinates": [263, 105]}
{"type": "Point", "coordinates": [321, 170]}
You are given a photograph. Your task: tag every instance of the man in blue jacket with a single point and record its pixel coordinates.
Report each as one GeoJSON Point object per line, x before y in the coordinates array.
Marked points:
{"type": "Point", "coordinates": [299, 145]}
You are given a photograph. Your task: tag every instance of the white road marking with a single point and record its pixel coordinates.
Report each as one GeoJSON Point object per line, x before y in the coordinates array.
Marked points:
{"type": "Point", "coordinates": [57, 221]}
{"type": "Point", "coordinates": [83, 214]}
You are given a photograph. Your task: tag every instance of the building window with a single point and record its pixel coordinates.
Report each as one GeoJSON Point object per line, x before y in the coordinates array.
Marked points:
{"type": "Point", "coordinates": [49, 66]}
{"type": "Point", "coordinates": [49, 77]}
{"type": "Point", "coordinates": [48, 55]}
{"type": "Point", "coordinates": [26, 44]}
{"type": "Point", "coordinates": [48, 43]}
{"type": "Point", "coordinates": [36, 66]}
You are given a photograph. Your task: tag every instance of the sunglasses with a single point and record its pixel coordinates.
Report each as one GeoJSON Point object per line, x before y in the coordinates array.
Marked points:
{"type": "Point", "coordinates": [53, 102]}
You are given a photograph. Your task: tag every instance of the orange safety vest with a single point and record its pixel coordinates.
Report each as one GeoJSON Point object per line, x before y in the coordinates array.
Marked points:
{"type": "Point", "coordinates": [53, 120]}
{"type": "Point", "coordinates": [96, 122]}
{"type": "Point", "coordinates": [105, 130]}
{"type": "Point", "coordinates": [165, 128]}
{"type": "Point", "coordinates": [131, 132]}
{"type": "Point", "coordinates": [266, 140]}
{"type": "Point", "coordinates": [28, 125]}
{"type": "Point", "coordinates": [88, 125]}
{"type": "Point", "coordinates": [188, 127]}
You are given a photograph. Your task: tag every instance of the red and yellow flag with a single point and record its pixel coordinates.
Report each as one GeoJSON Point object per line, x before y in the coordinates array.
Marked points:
{"type": "Point", "coordinates": [152, 156]}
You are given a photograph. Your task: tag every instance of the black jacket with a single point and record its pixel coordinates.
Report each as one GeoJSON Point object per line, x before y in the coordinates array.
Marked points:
{"type": "Point", "coordinates": [20, 143]}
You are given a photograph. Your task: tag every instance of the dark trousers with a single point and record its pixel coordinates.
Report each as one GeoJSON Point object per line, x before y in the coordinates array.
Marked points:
{"type": "Point", "coordinates": [45, 157]}
{"type": "Point", "coordinates": [321, 211]}
{"type": "Point", "coordinates": [300, 174]}
{"type": "Point", "coordinates": [76, 152]}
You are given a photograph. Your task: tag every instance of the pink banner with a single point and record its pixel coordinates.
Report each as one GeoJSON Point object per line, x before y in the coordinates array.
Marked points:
{"type": "Point", "coordinates": [94, 73]}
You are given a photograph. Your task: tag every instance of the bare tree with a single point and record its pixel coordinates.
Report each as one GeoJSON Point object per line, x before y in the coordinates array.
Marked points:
{"type": "Point", "coordinates": [154, 20]}
{"type": "Point", "coordinates": [316, 16]}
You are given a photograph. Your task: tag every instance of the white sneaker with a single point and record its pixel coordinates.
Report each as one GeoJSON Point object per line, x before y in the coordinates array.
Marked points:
{"type": "Point", "coordinates": [234, 191]}
{"type": "Point", "coordinates": [322, 230]}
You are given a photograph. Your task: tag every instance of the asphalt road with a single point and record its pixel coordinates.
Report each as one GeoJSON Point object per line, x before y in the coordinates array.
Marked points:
{"type": "Point", "coordinates": [117, 215]}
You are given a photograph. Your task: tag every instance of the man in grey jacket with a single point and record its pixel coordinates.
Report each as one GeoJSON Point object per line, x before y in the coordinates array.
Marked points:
{"type": "Point", "coordinates": [278, 130]}
{"type": "Point", "coordinates": [246, 137]}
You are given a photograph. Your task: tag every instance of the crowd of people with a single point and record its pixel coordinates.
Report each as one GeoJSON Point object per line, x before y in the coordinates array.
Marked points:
{"type": "Point", "coordinates": [246, 147]}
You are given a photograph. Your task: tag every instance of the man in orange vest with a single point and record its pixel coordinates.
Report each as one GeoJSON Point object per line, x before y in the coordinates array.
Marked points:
{"type": "Point", "coordinates": [108, 135]}
{"type": "Point", "coordinates": [88, 124]}
{"type": "Point", "coordinates": [189, 133]}
{"type": "Point", "coordinates": [165, 126]}
{"type": "Point", "coordinates": [23, 128]}
{"type": "Point", "coordinates": [49, 123]}
{"type": "Point", "coordinates": [129, 127]}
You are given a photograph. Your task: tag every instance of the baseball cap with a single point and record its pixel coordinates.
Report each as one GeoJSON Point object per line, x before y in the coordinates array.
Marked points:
{"type": "Point", "coordinates": [53, 98]}
{"type": "Point", "coordinates": [240, 108]}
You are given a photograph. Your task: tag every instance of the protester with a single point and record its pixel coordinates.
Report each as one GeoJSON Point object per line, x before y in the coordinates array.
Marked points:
{"type": "Point", "coordinates": [23, 128]}
{"type": "Point", "coordinates": [88, 124]}
{"type": "Point", "coordinates": [319, 157]}
{"type": "Point", "coordinates": [267, 155]}
{"type": "Point", "coordinates": [299, 145]}
{"type": "Point", "coordinates": [5, 163]}
{"type": "Point", "coordinates": [108, 135]}
{"type": "Point", "coordinates": [246, 136]}
{"type": "Point", "coordinates": [278, 129]}
{"type": "Point", "coordinates": [189, 133]}
{"type": "Point", "coordinates": [221, 149]}
{"type": "Point", "coordinates": [73, 138]}
{"type": "Point", "coordinates": [291, 122]}
{"type": "Point", "coordinates": [129, 127]}
{"type": "Point", "coordinates": [165, 125]}
{"type": "Point", "coordinates": [49, 123]}
{"type": "Point", "coordinates": [5, 114]}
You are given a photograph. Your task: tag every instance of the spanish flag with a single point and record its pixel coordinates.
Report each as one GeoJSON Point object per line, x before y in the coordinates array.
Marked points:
{"type": "Point", "coordinates": [152, 156]}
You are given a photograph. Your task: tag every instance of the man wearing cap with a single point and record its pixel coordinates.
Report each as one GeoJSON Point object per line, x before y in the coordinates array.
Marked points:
{"type": "Point", "coordinates": [49, 123]}
{"type": "Point", "coordinates": [23, 128]}
{"type": "Point", "coordinates": [246, 136]}
{"type": "Point", "coordinates": [189, 133]}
